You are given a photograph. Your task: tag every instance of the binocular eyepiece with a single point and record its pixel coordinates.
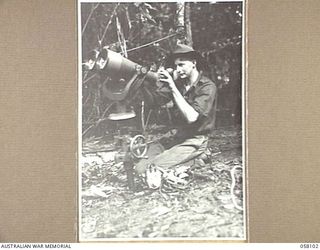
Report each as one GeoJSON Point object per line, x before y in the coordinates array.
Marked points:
{"type": "Point", "coordinates": [116, 67]}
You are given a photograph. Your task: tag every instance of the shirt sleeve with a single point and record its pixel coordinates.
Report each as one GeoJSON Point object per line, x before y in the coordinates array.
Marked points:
{"type": "Point", "coordinates": [204, 98]}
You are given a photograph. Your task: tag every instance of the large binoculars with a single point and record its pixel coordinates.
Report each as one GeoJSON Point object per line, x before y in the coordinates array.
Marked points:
{"type": "Point", "coordinates": [119, 71]}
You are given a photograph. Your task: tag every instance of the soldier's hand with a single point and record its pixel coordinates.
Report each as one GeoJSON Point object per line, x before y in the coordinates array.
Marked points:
{"type": "Point", "coordinates": [165, 76]}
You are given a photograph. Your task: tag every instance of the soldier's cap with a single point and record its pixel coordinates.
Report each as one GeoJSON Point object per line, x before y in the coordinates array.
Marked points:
{"type": "Point", "coordinates": [185, 51]}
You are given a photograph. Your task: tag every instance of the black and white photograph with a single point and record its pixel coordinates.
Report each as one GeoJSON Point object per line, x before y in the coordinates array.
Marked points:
{"type": "Point", "coordinates": [162, 121]}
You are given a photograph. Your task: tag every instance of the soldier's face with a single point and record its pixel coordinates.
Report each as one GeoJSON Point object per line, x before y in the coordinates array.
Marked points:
{"type": "Point", "coordinates": [184, 67]}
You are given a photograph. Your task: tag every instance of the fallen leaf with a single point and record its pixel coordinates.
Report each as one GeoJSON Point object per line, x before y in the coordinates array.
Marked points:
{"type": "Point", "coordinates": [224, 198]}
{"type": "Point", "coordinates": [158, 211]}
{"type": "Point", "coordinates": [107, 156]}
{"type": "Point", "coordinates": [165, 227]}
{"type": "Point", "coordinates": [153, 234]}
{"type": "Point", "coordinates": [229, 206]}
{"type": "Point", "coordinates": [94, 191]}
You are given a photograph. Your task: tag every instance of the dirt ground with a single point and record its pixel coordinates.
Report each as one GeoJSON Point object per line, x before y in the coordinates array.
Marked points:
{"type": "Point", "coordinates": [209, 207]}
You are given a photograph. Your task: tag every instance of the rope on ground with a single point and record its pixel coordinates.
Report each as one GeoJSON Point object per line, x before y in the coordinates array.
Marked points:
{"type": "Point", "coordinates": [233, 184]}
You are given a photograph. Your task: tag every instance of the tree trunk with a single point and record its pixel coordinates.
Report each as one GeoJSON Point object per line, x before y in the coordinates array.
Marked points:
{"type": "Point", "coordinates": [180, 14]}
{"type": "Point", "coordinates": [183, 23]}
{"type": "Point", "coordinates": [188, 25]}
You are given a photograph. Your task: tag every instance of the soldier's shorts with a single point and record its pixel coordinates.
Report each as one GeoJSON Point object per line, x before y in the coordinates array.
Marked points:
{"type": "Point", "coordinates": [181, 153]}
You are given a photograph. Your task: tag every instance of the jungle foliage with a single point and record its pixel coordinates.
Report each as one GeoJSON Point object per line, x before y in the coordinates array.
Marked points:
{"type": "Point", "coordinates": [146, 32]}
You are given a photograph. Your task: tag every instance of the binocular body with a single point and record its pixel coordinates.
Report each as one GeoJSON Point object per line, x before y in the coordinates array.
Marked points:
{"type": "Point", "coordinates": [122, 79]}
{"type": "Point", "coordinates": [118, 68]}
